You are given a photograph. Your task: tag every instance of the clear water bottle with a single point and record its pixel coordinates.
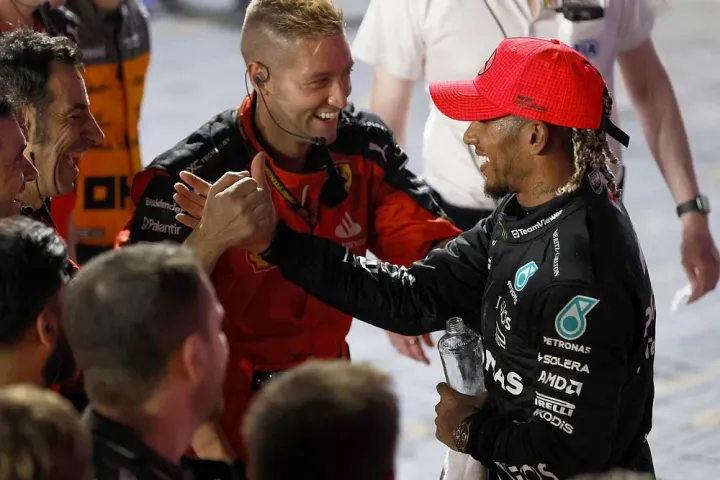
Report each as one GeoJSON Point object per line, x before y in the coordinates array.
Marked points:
{"type": "Point", "coordinates": [462, 358]}
{"type": "Point", "coordinates": [461, 354]}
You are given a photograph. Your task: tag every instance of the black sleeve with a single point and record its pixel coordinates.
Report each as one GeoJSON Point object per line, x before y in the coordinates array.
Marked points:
{"type": "Point", "coordinates": [449, 282]}
{"type": "Point", "coordinates": [583, 361]}
{"type": "Point", "coordinates": [154, 217]}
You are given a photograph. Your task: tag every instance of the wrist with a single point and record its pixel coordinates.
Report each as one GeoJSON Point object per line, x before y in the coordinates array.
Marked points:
{"type": "Point", "coordinates": [462, 432]}
{"type": "Point", "coordinates": [266, 251]}
{"type": "Point", "coordinates": [205, 246]}
{"type": "Point", "coordinates": [694, 219]}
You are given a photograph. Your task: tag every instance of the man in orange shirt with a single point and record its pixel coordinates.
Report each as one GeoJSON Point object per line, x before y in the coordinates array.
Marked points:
{"type": "Point", "coordinates": [335, 172]}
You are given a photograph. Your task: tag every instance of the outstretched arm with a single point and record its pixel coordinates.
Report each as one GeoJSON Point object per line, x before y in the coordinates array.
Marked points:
{"type": "Point", "coordinates": [449, 282]}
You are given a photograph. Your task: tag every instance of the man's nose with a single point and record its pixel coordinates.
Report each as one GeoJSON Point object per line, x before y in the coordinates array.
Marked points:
{"type": "Point", "coordinates": [339, 95]}
{"type": "Point", "coordinates": [93, 133]}
{"type": "Point", "coordinates": [29, 171]}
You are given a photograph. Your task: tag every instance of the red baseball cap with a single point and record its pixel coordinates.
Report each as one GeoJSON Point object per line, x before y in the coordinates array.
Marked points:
{"type": "Point", "coordinates": [533, 78]}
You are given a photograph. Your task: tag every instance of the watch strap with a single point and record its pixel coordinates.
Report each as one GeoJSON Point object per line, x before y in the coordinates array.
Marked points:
{"type": "Point", "coordinates": [697, 204]}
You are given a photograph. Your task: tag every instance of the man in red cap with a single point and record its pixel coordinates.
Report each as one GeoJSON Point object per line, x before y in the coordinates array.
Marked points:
{"type": "Point", "coordinates": [554, 280]}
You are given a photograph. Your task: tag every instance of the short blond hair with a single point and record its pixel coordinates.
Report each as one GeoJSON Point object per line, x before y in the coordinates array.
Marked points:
{"type": "Point", "coordinates": [325, 420]}
{"type": "Point", "coordinates": [38, 427]}
{"type": "Point", "coordinates": [287, 21]}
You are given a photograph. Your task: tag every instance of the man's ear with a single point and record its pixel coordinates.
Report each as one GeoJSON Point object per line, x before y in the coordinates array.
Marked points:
{"type": "Point", "coordinates": [537, 137]}
{"type": "Point", "coordinates": [194, 359]}
{"type": "Point", "coordinates": [48, 328]}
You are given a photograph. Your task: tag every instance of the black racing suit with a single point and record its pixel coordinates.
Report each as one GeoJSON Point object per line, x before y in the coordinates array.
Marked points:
{"type": "Point", "coordinates": [561, 296]}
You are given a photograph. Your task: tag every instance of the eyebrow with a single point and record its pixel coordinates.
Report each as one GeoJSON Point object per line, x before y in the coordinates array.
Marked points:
{"type": "Point", "coordinates": [328, 74]}
{"type": "Point", "coordinates": [77, 108]}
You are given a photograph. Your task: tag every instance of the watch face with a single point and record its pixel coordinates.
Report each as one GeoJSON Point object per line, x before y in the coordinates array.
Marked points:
{"type": "Point", "coordinates": [461, 435]}
{"type": "Point", "coordinates": [704, 204]}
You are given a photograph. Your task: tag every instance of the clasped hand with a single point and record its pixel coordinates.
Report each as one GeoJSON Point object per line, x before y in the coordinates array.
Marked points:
{"type": "Point", "coordinates": [235, 211]}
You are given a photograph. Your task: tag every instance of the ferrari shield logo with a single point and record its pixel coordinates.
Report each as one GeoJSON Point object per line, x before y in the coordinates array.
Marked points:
{"type": "Point", "coordinates": [258, 264]}
{"type": "Point", "coordinates": [345, 172]}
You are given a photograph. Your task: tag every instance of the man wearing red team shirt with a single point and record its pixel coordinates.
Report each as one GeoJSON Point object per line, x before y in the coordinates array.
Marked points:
{"type": "Point", "coordinates": [335, 172]}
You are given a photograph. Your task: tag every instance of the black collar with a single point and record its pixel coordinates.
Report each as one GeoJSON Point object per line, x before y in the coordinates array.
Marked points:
{"type": "Point", "coordinates": [122, 448]}
{"type": "Point", "coordinates": [121, 441]}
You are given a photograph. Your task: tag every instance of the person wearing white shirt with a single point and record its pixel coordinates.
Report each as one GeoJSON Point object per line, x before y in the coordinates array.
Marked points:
{"type": "Point", "coordinates": [408, 40]}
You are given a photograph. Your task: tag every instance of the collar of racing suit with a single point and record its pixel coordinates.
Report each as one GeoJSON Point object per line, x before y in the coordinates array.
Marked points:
{"type": "Point", "coordinates": [518, 224]}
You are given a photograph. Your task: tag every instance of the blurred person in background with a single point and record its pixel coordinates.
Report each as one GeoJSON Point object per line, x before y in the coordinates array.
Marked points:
{"type": "Point", "coordinates": [114, 36]}
{"type": "Point", "coordinates": [146, 329]}
{"type": "Point", "coordinates": [15, 168]}
{"type": "Point", "coordinates": [115, 40]}
{"type": "Point", "coordinates": [41, 436]}
{"type": "Point", "coordinates": [41, 15]}
{"type": "Point", "coordinates": [46, 74]}
{"type": "Point", "coordinates": [336, 172]}
{"type": "Point", "coordinates": [408, 40]}
{"type": "Point", "coordinates": [324, 420]}
{"type": "Point", "coordinates": [34, 270]}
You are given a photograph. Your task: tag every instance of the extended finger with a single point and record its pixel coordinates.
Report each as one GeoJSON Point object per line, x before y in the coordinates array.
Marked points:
{"type": "Point", "coordinates": [703, 282]}
{"type": "Point", "coordinates": [190, 194]}
{"type": "Point", "coordinates": [187, 220]}
{"type": "Point", "coordinates": [427, 339]}
{"type": "Point", "coordinates": [244, 187]}
{"type": "Point", "coordinates": [403, 349]}
{"type": "Point", "coordinates": [693, 281]}
{"type": "Point", "coordinates": [195, 182]}
{"type": "Point", "coordinates": [228, 180]}
{"type": "Point", "coordinates": [416, 352]}
{"type": "Point", "coordinates": [188, 205]}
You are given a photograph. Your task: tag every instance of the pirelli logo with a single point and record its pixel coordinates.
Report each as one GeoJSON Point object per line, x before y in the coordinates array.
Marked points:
{"type": "Point", "coordinates": [554, 405]}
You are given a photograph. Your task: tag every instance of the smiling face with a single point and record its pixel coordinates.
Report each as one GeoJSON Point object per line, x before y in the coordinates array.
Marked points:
{"type": "Point", "coordinates": [496, 143]}
{"type": "Point", "coordinates": [15, 168]}
{"type": "Point", "coordinates": [61, 131]}
{"type": "Point", "coordinates": [306, 94]}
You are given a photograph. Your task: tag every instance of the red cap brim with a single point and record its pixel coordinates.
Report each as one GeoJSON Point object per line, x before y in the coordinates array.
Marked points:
{"type": "Point", "coordinates": [460, 100]}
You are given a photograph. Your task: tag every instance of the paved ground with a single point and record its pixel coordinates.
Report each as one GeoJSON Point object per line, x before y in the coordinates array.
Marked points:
{"type": "Point", "coordinates": [197, 71]}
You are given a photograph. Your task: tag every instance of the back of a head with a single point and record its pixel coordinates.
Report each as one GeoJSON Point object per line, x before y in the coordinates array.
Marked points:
{"type": "Point", "coordinates": [41, 436]}
{"type": "Point", "coordinates": [324, 420]}
{"type": "Point", "coordinates": [26, 57]}
{"type": "Point", "coordinates": [126, 313]}
{"type": "Point", "coordinates": [271, 27]}
{"type": "Point", "coordinates": [33, 261]}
